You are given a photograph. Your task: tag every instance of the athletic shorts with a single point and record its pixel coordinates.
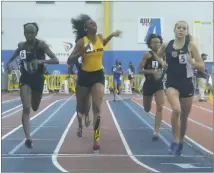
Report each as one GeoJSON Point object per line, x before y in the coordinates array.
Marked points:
{"type": "Point", "coordinates": [185, 87]}
{"type": "Point", "coordinates": [117, 81]}
{"type": "Point", "coordinates": [34, 81]}
{"type": "Point", "coordinates": [88, 79]}
{"type": "Point", "coordinates": [150, 87]}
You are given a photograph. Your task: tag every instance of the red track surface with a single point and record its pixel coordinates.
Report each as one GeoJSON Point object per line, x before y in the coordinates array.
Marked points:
{"type": "Point", "coordinates": [111, 145]}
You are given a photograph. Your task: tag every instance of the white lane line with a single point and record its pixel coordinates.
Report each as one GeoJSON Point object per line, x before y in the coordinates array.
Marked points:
{"type": "Point", "coordinates": [18, 127]}
{"type": "Point", "coordinates": [38, 128]}
{"type": "Point", "coordinates": [18, 109]}
{"type": "Point", "coordinates": [187, 137]}
{"type": "Point", "coordinates": [128, 150]}
{"type": "Point", "coordinates": [56, 151]}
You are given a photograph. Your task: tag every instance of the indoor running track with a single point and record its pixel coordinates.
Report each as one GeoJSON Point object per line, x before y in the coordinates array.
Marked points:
{"type": "Point", "coordinates": [126, 144]}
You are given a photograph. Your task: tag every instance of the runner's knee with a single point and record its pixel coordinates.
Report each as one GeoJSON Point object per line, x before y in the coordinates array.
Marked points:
{"type": "Point", "coordinates": [159, 107]}
{"type": "Point", "coordinates": [96, 108]}
{"type": "Point", "coordinates": [176, 111]}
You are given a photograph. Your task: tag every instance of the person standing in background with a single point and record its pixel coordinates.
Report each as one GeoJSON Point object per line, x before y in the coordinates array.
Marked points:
{"type": "Point", "coordinates": [117, 77]}
{"type": "Point", "coordinates": [202, 78]}
{"type": "Point", "coordinates": [131, 71]}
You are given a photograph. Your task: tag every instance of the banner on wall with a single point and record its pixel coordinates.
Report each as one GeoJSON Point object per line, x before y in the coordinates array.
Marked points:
{"type": "Point", "coordinates": [147, 26]}
{"type": "Point", "coordinates": [61, 47]}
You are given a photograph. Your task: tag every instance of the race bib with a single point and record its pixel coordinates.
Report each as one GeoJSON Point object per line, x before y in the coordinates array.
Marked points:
{"type": "Point", "coordinates": [154, 64]}
{"type": "Point", "coordinates": [182, 58]}
{"type": "Point", "coordinates": [89, 47]}
{"type": "Point", "coordinates": [22, 54]}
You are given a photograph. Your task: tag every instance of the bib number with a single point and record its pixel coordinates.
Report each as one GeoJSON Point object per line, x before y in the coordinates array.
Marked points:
{"type": "Point", "coordinates": [22, 54]}
{"type": "Point", "coordinates": [182, 58]}
{"type": "Point", "coordinates": [89, 47]}
{"type": "Point", "coordinates": [154, 64]}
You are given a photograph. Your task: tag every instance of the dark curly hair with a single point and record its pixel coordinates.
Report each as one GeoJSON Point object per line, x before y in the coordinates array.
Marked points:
{"type": "Point", "coordinates": [35, 24]}
{"type": "Point", "coordinates": [78, 25]}
{"type": "Point", "coordinates": [151, 36]}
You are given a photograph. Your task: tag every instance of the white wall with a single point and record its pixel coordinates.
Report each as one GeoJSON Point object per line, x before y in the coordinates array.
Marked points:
{"type": "Point", "coordinates": [125, 17]}
{"type": "Point", "coordinates": [53, 19]}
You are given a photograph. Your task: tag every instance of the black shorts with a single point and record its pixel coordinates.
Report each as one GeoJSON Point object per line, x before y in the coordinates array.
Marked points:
{"type": "Point", "coordinates": [152, 86]}
{"type": "Point", "coordinates": [36, 82]}
{"type": "Point", "coordinates": [185, 87]}
{"type": "Point", "coordinates": [88, 79]}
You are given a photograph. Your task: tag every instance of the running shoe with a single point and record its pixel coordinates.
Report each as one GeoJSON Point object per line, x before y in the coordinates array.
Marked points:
{"type": "Point", "coordinates": [179, 149]}
{"type": "Point", "coordinates": [173, 147]}
{"type": "Point", "coordinates": [155, 137]}
{"type": "Point", "coordinates": [29, 143]}
{"type": "Point", "coordinates": [96, 147]}
{"type": "Point", "coordinates": [79, 132]}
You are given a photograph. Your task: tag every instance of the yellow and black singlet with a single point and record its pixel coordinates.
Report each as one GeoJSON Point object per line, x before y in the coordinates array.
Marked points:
{"type": "Point", "coordinates": [92, 60]}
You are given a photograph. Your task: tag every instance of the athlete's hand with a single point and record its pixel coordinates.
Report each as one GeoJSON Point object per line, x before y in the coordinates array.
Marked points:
{"type": "Point", "coordinates": [117, 33]}
{"type": "Point", "coordinates": [164, 65]}
{"type": "Point", "coordinates": [40, 62]}
{"type": "Point", "coordinates": [190, 59]}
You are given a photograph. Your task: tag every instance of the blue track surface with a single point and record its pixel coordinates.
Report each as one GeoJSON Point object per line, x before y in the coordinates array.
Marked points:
{"type": "Point", "coordinates": [48, 137]}
{"type": "Point", "coordinates": [9, 105]}
{"type": "Point", "coordinates": [137, 128]}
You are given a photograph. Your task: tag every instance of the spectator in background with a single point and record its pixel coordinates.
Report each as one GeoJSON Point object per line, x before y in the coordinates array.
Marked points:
{"type": "Point", "coordinates": [117, 77]}
{"type": "Point", "coordinates": [131, 72]}
{"type": "Point", "coordinates": [202, 78]}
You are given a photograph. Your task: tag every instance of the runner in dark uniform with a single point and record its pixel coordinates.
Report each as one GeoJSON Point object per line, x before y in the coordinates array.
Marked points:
{"type": "Point", "coordinates": [153, 84]}
{"type": "Point", "coordinates": [88, 99]}
{"type": "Point", "coordinates": [182, 57]}
{"type": "Point", "coordinates": [32, 60]}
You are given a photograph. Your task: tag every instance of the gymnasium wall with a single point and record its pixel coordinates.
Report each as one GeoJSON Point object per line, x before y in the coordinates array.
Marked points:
{"type": "Point", "coordinates": [53, 19]}
{"type": "Point", "coordinates": [127, 19]}
{"type": "Point", "coordinates": [55, 27]}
